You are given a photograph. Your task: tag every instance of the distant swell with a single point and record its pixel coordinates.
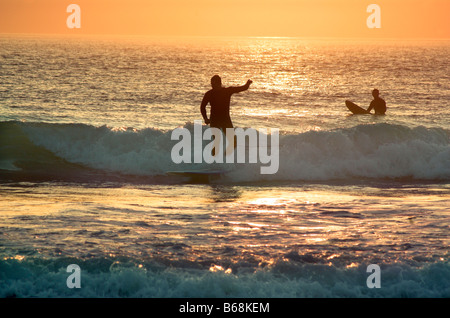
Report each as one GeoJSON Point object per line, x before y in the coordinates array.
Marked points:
{"type": "Point", "coordinates": [376, 151]}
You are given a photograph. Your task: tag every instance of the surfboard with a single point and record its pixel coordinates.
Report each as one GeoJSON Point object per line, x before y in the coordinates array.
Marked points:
{"type": "Point", "coordinates": [189, 173]}
{"type": "Point", "coordinates": [355, 109]}
{"type": "Point", "coordinates": [204, 175]}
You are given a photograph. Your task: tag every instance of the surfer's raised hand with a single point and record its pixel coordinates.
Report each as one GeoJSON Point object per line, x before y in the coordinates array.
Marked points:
{"type": "Point", "coordinates": [249, 82]}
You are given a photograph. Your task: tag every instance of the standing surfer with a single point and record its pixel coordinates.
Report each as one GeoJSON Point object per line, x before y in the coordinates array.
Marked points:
{"type": "Point", "coordinates": [219, 98]}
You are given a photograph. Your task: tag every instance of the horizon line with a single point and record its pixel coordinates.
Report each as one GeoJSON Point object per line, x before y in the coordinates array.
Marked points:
{"type": "Point", "coordinates": [224, 36]}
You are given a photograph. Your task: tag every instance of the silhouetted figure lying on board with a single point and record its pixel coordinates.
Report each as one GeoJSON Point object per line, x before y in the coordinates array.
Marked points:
{"type": "Point", "coordinates": [378, 104]}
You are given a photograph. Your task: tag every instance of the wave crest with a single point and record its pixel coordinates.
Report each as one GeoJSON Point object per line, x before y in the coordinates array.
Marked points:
{"type": "Point", "coordinates": [364, 151]}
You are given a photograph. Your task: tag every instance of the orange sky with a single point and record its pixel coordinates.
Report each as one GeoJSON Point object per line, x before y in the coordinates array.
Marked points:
{"type": "Point", "coordinates": [302, 18]}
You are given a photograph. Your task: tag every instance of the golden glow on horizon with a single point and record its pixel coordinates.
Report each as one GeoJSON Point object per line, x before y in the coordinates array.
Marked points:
{"type": "Point", "coordinates": [300, 18]}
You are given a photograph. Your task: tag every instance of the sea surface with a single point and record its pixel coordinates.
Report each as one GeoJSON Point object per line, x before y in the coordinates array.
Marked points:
{"type": "Point", "coordinates": [85, 147]}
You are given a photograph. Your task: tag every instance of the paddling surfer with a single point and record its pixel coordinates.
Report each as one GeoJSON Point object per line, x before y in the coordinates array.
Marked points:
{"type": "Point", "coordinates": [378, 104]}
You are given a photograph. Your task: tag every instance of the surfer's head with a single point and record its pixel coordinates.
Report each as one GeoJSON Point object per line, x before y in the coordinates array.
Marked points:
{"type": "Point", "coordinates": [375, 93]}
{"type": "Point", "coordinates": [216, 81]}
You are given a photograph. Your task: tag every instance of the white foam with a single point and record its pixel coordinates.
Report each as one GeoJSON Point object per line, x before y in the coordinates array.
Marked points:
{"type": "Point", "coordinates": [286, 280]}
{"type": "Point", "coordinates": [365, 151]}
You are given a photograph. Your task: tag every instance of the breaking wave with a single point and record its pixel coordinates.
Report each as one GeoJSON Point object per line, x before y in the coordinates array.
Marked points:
{"type": "Point", "coordinates": [376, 151]}
{"type": "Point", "coordinates": [128, 278]}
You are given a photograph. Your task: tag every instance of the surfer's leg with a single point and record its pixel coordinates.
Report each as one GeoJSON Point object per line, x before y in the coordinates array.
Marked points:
{"type": "Point", "coordinates": [231, 140]}
{"type": "Point", "coordinates": [216, 142]}
{"type": "Point", "coordinates": [228, 125]}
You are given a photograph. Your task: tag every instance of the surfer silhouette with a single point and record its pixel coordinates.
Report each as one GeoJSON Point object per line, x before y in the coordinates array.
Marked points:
{"type": "Point", "coordinates": [219, 98]}
{"type": "Point", "coordinates": [378, 104]}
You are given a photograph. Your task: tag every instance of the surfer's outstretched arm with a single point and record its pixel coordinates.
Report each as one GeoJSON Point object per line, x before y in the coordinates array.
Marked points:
{"type": "Point", "coordinates": [241, 88]}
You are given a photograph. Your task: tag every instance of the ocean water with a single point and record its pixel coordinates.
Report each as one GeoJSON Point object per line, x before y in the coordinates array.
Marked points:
{"type": "Point", "coordinates": [85, 147]}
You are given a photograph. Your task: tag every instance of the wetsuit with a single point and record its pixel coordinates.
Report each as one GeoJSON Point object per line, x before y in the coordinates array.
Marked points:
{"type": "Point", "coordinates": [379, 105]}
{"type": "Point", "coordinates": [219, 99]}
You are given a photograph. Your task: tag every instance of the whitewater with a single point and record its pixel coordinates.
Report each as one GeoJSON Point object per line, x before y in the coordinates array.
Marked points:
{"type": "Point", "coordinates": [85, 147]}
{"type": "Point", "coordinates": [377, 151]}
